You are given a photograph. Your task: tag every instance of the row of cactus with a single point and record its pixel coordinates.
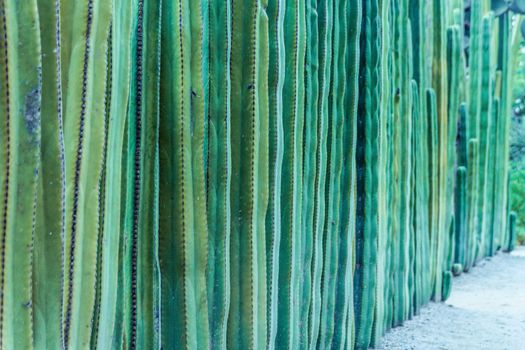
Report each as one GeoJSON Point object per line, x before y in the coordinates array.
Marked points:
{"type": "Point", "coordinates": [486, 130]}
{"type": "Point", "coordinates": [246, 174]}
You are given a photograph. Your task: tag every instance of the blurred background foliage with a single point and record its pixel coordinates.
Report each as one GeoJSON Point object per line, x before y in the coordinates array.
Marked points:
{"type": "Point", "coordinates": [517, 144]}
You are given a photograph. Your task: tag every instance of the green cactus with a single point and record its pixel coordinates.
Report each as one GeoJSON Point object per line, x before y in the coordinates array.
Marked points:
{"type": "Point", "coordinates": [462, 142]}
{"type": "Point", "coordinates": [447, 284]}
{"type": "Point", "coordinates": [49, 225]}
{"type": "Point", "coordinates": [475, 71]}
{"type": "Point", "coordinates": [457, 269]}
{"type": "Point", "coordinates": [512, 231]}
{"type": "Point", "coordinates": [275, 153]}
{"type": "Point", "coordinates": [21, 87]}
{"type": "Point", "coordinates": [472, 200]}
{"type": "Point", "coordinates": [335, 149]}
{"type": "Point", "coordinates": [83, 141]}
{"type": "Point", "coordinates": [422, 74]}
{"type": "Point", "coordinates": [141, 275]}
{"type": "Point", "coordinates": [402, 137]}
{"type": "Point", "coordinates": [367, 157]}
{"type": "Point", "coordinates": [386, 186]}
{"type": "Point", "coordinates": [249, 142]}
{"type": "Point", "coordinates": [324, 11]}
{"type": "Point", "coordinates": [101, 204]}
{"type": "Point", "coordinates": [508, 210]}
{"type": "Point", "coordinates": [219, 172]}
{"type": "Point", "coordinates": [484, 132]}
{"type": "Point", "coordinates": [492, 173]}
{"type": "Point", "coordinates": [447, 274]}
{"type": "Point", "coordinates": [502, 144]}
{"type": "Point", "coordinates": [420, 201]}
{"type": "Point", "coordinates": [309, 166]}
{"type": "Point", "coordinates": [439, 83]}
{"type": "Point", "coordinates": [461, 215]}
{"type": "Point", "coordinates": [182, 224]}
{"type": "Point", "coordinates": [433, 149]}
{"type": "Point", "coordinates": [293, 108]}
{"type": "Point", "coordinates": [382, 295]}
{"type": "Point", "coordinates": [347, 134]}
{"type": "Point", "coordinates": [245, 174]}
{"type": "Point", "coordinates": [454, 70]}
{"type": "Point", "coordinates": [108, 327]}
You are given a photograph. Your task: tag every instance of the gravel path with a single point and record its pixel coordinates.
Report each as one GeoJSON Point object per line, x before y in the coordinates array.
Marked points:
{"type": "Point", "coordinates": [486, 310]}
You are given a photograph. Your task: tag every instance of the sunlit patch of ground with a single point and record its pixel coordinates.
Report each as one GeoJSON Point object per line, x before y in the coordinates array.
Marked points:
{"type": "Point", "coordinates": [520, 252]}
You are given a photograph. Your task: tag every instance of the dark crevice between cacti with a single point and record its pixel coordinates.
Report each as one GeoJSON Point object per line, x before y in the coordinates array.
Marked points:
{"type": "Point", "coordinates": [78, 163]}
{"type": "Point", "coordinates": [7, 169]}
{"type": "Point", "coordinates": [137, 173]}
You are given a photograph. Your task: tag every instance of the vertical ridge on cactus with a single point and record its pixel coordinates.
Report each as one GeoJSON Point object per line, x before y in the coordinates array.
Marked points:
{"type": "Point", "coordinates": [311, 76]}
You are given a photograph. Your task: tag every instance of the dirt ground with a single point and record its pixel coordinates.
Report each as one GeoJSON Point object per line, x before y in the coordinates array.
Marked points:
{"type": "Point", "coordinates": [486, 310]}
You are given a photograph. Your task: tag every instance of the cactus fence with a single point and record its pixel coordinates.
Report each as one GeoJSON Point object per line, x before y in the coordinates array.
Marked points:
{"type": "Point", "coordinates": [244, 174]}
